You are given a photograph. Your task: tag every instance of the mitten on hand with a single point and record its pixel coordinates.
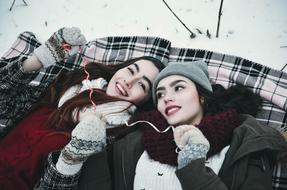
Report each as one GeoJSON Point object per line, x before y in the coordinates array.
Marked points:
{"type": "Point", "coordinates": [192, 143]}
{"type": "Point", "coordinates": [88, 137]}
{"type": "Point", "coordinates": [188, 134]}
{"type": "Point", "coordinates": [61, 45]}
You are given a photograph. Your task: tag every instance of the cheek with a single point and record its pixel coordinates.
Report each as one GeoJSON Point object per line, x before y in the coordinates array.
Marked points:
{"type": "Point", "coordinates": [160, 107]}
{"type": "Point", "coordinates": [190, 103]}
{"type": "Point", "coordinates": [195, 105]}
{"type": "Point", "coordinates": [137, 95]}
{"type": "Point", "coordinates": [110, 90]}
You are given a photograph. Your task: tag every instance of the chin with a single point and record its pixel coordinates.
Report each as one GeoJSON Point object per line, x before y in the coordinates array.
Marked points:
{"type": "Point", "coordinates": [173, 122]}
{"type": "Point", "coordinates": [178, 121]}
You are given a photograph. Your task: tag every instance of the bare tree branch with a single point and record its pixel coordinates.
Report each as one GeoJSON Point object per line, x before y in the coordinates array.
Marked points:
{"type": "Point", "coordinates": [14, 3]}
{"type": "Point", "coordinates": [25, 2]}
{"type": "Point", "coordinates": [219, 16]}
{"type": "Point", "coordinates": [284, 67]}
{"type": "Point", "coordinates": [192, 35]}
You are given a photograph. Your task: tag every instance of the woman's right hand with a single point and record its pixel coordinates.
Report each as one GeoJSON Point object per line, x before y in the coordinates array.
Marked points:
{"type": "Point", "coordinates": [188, 134]}
{"type": "Point", "coordinates": [192, 143]}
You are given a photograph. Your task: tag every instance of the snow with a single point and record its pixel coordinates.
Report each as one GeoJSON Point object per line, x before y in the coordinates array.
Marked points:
{"type": "Point", "coordinates": [252, 29]}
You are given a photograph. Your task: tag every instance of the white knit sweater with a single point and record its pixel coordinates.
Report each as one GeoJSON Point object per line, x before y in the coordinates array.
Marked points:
{"type": "Point", "coordinates": [152, 174]}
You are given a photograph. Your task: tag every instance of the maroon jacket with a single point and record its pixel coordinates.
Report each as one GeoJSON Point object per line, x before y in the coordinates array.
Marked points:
{"type": "Point", "coordinates": [24, 151]}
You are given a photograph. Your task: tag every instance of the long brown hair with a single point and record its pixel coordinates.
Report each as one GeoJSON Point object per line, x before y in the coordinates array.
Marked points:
{"type": "Point", "coordinates": [62, 117]}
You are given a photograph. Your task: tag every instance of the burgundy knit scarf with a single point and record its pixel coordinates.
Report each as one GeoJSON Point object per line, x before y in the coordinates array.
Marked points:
{"type": "Point", "coordinates": [217, 128]}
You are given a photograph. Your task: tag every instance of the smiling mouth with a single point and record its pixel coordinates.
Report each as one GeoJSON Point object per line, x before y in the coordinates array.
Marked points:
{"type": "Point", "coordinates": [122, 91]}
{"type": "Point", "coordinates": [172, 110]}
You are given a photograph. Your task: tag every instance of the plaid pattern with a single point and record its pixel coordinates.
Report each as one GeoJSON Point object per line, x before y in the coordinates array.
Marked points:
{"type": "Point", "coordinates": [223, 69]}
{"type": "Point", "coordinates": [23, 46]}
{"type": "Point", "coordinates": [16, 95]}
{"type": "Point", "coordinates": [64, 182]}
{"type": "Point", "coordinates": [111, 50]}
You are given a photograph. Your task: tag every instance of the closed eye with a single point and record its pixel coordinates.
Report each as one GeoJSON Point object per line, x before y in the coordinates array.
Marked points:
{"type": "Point", "coordinates": [143, 86]}
{"type": "Point", "coordinates": [131, 71]}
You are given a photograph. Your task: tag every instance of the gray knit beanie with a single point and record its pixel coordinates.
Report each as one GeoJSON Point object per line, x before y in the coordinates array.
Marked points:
{"type": "Point", "coordinates": [196, 71]}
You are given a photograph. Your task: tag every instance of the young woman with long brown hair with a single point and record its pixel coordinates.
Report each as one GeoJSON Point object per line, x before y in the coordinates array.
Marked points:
{"type": "Point", "coordinates": [72, 113]}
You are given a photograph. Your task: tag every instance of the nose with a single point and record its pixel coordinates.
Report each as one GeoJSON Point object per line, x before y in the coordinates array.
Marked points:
{"type": "Point", "coordinates": [168, 98]}
{"type": "Point", "coordinates": [130, 81]}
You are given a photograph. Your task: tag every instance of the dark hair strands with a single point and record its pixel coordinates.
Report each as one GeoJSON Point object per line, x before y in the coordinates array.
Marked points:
{"type": "Point", "coordinates": [236, 97]}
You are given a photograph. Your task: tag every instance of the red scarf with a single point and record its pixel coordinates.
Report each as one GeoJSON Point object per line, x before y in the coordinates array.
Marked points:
{"type": "Point", "coordinates": [217, 128]}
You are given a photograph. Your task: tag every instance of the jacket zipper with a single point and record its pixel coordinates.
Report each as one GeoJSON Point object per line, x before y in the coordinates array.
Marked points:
{"type": "Point", "coordinates": [123, 171]}
{"type": "Point", "coordinates": [263, 164]}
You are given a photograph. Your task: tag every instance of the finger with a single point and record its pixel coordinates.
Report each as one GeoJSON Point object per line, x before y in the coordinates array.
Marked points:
{"type": "Point", "coordinates": [189, 136]}
{"type": "Point", "coordinates": [179, 131]}
{"type": "Point", "coordinates": [185, 138]}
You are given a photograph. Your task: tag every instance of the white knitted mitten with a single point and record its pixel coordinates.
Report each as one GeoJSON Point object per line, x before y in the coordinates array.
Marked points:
{"type": "Point", "coordinates": [62, 44]}
{"type": "Point", "coordinates": [88, 137]}
{"type": "Point", "coordinates": [192, 143]}
{"type": "Point", "coordinates": [185, 134]}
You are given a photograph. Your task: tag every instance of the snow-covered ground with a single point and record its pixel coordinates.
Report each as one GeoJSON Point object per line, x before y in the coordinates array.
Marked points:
{"type": "Point", "coordinates": [252, 29]}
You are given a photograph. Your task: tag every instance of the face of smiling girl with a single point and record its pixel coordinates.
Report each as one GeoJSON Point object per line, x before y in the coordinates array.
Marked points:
{"type": "Point", "coordinates": [178, 100]}
{"type": "Point", "coordinates": [133, 83]}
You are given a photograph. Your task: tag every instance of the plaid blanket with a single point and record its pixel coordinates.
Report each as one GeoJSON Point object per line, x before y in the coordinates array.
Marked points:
{"type": "Point", "coordinates": [224, 69]}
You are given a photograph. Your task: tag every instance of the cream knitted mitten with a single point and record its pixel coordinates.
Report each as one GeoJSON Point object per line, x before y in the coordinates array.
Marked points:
{"type": "Point", "coordinates": [88, 137]}
{"type": "Point", "coordinates": [62, 44]}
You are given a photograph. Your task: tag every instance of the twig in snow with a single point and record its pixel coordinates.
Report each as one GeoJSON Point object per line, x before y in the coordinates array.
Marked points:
{"type": "Point", "coordinates": [199, 31]}
{"type": "Point", "coordinates": [284, 67]}
{"type": "Point", "coordinates": [192, 35]}
{"type": "Point", "coordinates": [283, 46]}
{"type": "Point", "coordinates": [14, 3]}
{"type": "Point", "coordinates": [219, 16]}
{"type": "Point", "coordinates": [208, 34]}
{"type": "Point", "coordinates": [25, 2]}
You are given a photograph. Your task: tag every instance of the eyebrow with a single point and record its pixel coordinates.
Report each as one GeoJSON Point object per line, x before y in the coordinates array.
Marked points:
{"type": "Point", "coordinates": [144, 77]}
{"type": "Point", "coordinates": [137, 67]}
{"type": "Point", "coordinates": [171, 84]}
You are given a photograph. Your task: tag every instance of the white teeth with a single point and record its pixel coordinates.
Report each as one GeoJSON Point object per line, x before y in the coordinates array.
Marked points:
{"type": "Point", "coordinates": [121, 89]}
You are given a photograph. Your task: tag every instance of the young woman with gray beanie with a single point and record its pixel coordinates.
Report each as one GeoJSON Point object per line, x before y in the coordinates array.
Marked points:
{"type": "Point", "coordinates": [199, 139]}
{"type": "Point", "coordinates": [184, 96]}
